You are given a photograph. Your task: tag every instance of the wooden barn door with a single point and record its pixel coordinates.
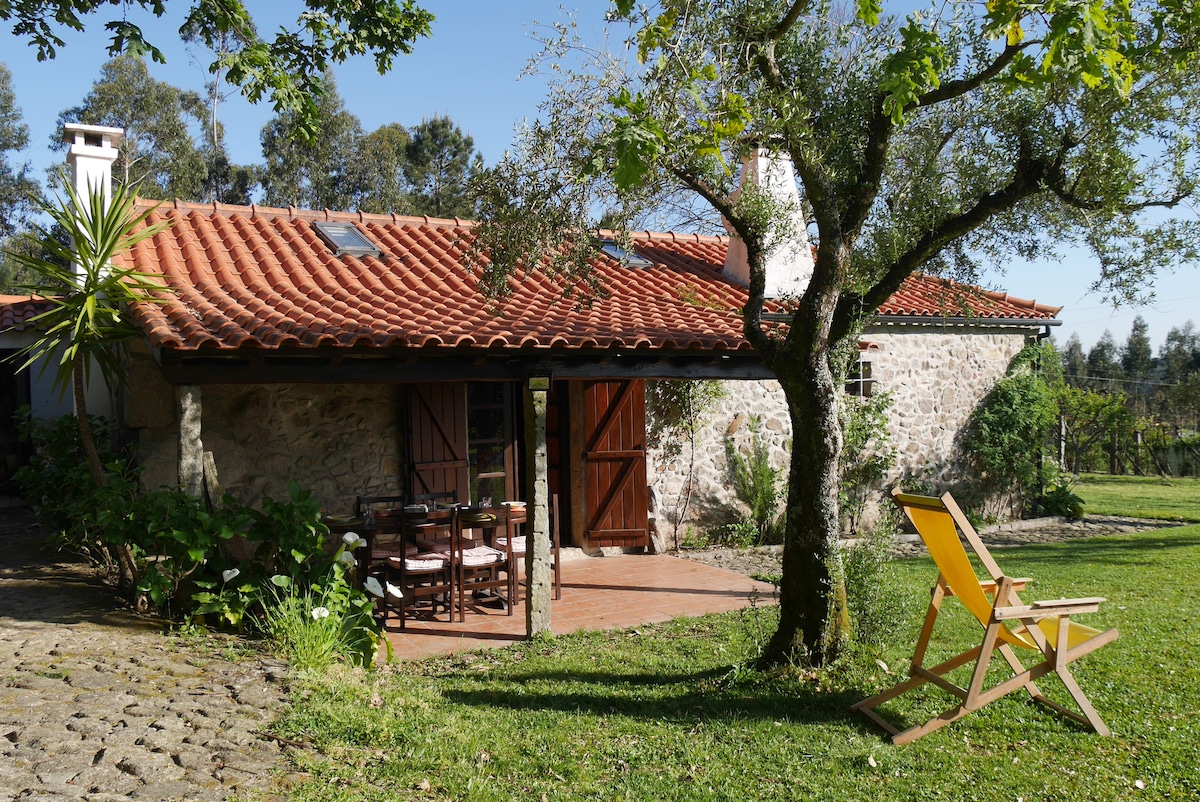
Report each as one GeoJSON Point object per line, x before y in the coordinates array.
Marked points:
{"type": "Point", "coordinates": [438, 438]}
{"type": "Point", "coordinates": [614, 461]}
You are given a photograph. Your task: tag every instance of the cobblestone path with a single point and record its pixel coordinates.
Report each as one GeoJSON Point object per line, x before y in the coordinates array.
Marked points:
{"type": "Point", "coordinates": [97, 704]}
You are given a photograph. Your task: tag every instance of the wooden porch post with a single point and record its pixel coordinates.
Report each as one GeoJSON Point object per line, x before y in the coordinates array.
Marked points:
{"type": "Point", "coordinates": [537, 549]}
{"type": "Point", "coordinates": [191, 447]}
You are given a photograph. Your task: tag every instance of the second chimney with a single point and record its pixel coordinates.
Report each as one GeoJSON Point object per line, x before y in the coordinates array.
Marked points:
{"type": "Point", "coordinates": [789, 265]}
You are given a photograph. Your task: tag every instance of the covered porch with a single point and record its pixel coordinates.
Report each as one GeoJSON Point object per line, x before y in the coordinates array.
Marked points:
{"type": "Point", "coordinates": [613, 592]}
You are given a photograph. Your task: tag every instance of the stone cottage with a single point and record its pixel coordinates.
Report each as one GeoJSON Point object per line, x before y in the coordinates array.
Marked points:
{"type": "Point", "coordinates": [356, 354]}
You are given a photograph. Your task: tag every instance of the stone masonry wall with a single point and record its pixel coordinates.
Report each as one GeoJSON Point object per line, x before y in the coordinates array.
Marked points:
{"type": "Point", "coordinates": [339, 441]}
{"type": "Point", "coordinates": [937, 377]}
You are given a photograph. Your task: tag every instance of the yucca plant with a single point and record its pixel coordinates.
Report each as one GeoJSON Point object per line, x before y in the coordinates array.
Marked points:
{"type": "Point", "coordinates": [89, 321]}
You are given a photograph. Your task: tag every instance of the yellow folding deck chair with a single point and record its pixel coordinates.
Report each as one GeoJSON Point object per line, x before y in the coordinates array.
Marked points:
{"type": "Point", "coordinates": [1041, 626]}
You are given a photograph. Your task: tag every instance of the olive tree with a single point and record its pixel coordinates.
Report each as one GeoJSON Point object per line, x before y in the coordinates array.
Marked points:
{"type": "Point", "coordinates": [948, 138]}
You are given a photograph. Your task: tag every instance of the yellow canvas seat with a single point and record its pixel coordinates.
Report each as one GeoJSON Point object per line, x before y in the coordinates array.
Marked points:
{"type": "Point", "coordinates": [1045, 627]}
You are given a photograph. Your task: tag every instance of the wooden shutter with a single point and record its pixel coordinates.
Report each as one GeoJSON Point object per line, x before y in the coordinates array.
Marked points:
{"type": "Point", "coordinates": [438, 438]}
{"type": "Point", "coordinates": [614, 457]}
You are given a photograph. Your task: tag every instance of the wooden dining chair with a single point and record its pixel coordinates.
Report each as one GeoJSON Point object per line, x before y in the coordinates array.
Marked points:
{"type": "Point", "coordinates": [514, 545]}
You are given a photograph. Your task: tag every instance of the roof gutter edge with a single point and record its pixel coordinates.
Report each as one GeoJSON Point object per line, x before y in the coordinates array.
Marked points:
{"type": "Point", "coordinates": [915, 320]}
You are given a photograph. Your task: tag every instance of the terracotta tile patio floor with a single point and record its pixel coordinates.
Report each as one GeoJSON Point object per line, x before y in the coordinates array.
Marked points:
{"type": "Point", "coordinates": [597, 593]}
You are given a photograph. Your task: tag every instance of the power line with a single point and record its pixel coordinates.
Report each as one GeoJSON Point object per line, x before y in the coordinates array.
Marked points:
{"type": "Point", "coordinates": [1123, 381]}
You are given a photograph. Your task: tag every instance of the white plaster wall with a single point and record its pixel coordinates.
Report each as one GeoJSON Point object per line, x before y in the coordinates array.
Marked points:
{"type": "Point", "coordinates": [937, 376]}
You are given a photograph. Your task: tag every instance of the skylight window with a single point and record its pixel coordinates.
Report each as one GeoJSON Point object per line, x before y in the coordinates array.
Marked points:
{"type": "Point", "coordinates": [614, 250]}
{"type": "Point", "coordinates": [345, 238]}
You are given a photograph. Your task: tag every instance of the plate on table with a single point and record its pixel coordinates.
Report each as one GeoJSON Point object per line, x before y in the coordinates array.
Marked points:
{"type": "Point", "coordinates": [513, 503]}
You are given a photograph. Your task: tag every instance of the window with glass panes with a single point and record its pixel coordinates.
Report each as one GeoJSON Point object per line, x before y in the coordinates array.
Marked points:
{"type": "Point", "coordinates": [858, 379]}
{"type": "Point", "coordinates": [489, 441]}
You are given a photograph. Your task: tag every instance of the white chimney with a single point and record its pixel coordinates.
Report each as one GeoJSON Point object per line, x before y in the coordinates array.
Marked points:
{"type": "Point", "coordinates": [93, 151]}
{"type": "Point", "coordinates": [789, 265]}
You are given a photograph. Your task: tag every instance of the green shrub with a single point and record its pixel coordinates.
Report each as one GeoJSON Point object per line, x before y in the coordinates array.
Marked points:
{"type": "Point", "coordinates": [314, 624]}
{"type": "Point", "coordinates": [1007, 432]}
{"type": "Point", "coordinates": [1061, 499]}
{"type": "Point", "coordinates": [59, 486]}
{"type": "Point", "coordinates": [867, 455]}
{"type": "Point", "coordinates": [756, 483]}
{"type": "Point", "coordinates": [301, 629]}
{"type": "Point", "coordinates": [871, 596]}
{"type": "Point", "coordinates": [738, 535]}
{"type": "Point", "coordinates": [187, 568]}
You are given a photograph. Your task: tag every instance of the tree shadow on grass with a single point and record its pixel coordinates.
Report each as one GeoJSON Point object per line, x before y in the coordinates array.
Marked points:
{"type": "Point", "coordinates": [701, 696]}
{"type": "Point", "coordinates": [1115, 550]}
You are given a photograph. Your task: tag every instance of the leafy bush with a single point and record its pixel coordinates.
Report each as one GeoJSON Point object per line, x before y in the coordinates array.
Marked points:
{"type": "Point", "coordinates": [187, 566]}
{"type": "Point", "coordinates": [1007, 432]}
{"type": "Point", "coordinates": [315, 624]}
{"type": "Point", "coordinates": [871, 595]}
{"type": "Point", "coordinates": [756, 482]}
{"type": "Point", "coordinates": [1060, 499]}
{"type": "Point", "coordinates": [738, 535]}
{"type": "Point", "coordinates": [867, 454]}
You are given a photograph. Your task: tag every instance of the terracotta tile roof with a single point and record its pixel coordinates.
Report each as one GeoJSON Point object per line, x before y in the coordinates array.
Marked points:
{"type": "Point", "coordinates": [929, 296]}
{"type": "Point", "coordinates": [15, 310]}
{"type": "Point", "coordinates": [260, 278]}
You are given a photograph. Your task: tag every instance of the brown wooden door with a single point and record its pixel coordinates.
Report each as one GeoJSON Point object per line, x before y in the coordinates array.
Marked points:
{"type": "Point", "coordinates": [614, 459]}
{"type": "Point", "coordinates": [438, 438]}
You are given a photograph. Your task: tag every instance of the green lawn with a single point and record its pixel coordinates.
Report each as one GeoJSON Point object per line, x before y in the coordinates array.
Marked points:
{"type": "Point", "coordinates": [1176, 499]}
{"type": "Point", "coordinates": [669, 712]}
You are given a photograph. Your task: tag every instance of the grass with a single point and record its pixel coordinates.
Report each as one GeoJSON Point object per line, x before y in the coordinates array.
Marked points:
{"type": "Point", "coordinates": [1173, 499]}
{"type": "Point", "coordinates": [671, 712]}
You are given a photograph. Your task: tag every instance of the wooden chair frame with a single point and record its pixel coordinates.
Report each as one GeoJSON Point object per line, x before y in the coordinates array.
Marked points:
{"type": "Point", "coordinates": [1042, 626]}
{"type": "Point", "coordinates": [473, 579]}
{"type": "Point", "coordinates": [516, 558]}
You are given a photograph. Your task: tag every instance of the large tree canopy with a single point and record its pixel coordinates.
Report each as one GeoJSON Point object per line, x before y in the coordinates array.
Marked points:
{"type": "Point", "coordinates": [158, 153]}
{"type": "Point", "coordinates": [949, 137]}
{"type": "Point", "coordinates": [321, 174]}
{"type": "Point", "coordinates": [287, 68]}
{"type": "Point", "coordinates": [17, 187]}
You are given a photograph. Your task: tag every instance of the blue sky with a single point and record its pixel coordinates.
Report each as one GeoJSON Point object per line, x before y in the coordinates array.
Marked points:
{"type": "Point", "coordinates": [469, 69]}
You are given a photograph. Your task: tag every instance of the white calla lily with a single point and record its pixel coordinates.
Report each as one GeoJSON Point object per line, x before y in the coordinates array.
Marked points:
{"type": "Point", "coordinates": [230, 574]}
{"type": "Point", "coordinates": [373, 587]}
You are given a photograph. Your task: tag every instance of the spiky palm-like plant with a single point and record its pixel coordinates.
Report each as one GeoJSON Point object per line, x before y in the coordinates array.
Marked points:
{"type": "Point", "coordinates": [89, 320]}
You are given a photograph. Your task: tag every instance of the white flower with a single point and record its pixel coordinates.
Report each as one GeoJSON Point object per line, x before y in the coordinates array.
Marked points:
{"type": "Point", "coordinates": [394, 591]}
{"type": "Point", "coordinates": [230, 574]}
{"type": "Point", "coordinates": [347, 558]}
{"type": "Point", "coordinates": [353, 541]}
{"type": "Point", "coordinates": [320, 612]}
{"type": "Point", "coordinates": [373, 587]}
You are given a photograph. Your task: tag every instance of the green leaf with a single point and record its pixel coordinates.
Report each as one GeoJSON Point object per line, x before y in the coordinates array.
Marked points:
{"type": "Point", "coordinates": [868, 11]}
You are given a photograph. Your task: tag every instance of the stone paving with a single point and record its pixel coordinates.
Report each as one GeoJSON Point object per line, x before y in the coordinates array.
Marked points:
{"type": "Point", "coordinates": [768, 560]}
{"type": "Point", "coordinates": [97, 704]}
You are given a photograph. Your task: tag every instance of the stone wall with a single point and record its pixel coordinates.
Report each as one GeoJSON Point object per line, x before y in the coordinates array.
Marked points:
{"type": "Point", "coordinates": [339, 441]}
{"type": "Point", "coordinates": [937, 376]}
{"type": "Point", "coordinates": [748, 409]}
